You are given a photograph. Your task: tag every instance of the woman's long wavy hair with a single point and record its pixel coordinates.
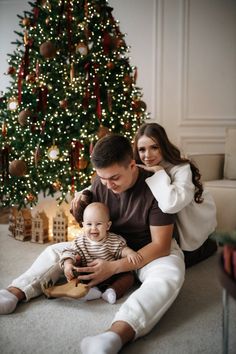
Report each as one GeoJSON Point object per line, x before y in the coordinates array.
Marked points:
{"type": "Point", "coordinates": [169, 152]}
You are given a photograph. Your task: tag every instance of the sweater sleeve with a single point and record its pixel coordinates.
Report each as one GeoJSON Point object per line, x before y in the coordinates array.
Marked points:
{"type": "Point", "coordinates": [173, 192]}
{"type": "Point", "coordinates": [71, 253]}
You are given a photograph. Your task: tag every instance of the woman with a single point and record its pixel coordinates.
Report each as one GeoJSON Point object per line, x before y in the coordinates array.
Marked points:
{"type": "Point", "coordinates": [177, 187]}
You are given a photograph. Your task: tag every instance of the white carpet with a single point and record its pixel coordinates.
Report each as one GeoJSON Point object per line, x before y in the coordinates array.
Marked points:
{"type": "Point", "coordinates": [192, 325]}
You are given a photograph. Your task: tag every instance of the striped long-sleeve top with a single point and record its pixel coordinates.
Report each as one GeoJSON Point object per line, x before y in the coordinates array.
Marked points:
{"type": "Point", "coordinates": [110, 248]}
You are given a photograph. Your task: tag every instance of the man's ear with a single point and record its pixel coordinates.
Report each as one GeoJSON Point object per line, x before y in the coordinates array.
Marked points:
{"type": "Point", "coordinates": [132, 164]}
{"type": "Point", "coordinates": [109, 225]}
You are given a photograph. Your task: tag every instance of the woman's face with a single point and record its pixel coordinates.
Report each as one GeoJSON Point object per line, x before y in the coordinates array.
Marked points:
{"type": "Point", "coordinates": [149, 151]}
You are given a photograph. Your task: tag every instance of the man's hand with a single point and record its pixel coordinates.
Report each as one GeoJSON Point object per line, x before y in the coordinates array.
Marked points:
{"type": "Point", "coordinates": [98, 271]}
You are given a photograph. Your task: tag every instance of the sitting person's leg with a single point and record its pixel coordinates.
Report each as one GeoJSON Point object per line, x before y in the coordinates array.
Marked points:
{"type": "Point", "coordinates": [116, 286]}
{"type": "Point", "coordinates": [28, 285]}
{"type": "Point", "coordinates": [207, 249]}
{"type": "Point", "coordinates": [161, 280]}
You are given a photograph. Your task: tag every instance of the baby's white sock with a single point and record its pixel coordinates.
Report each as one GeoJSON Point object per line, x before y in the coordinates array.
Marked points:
{"type": "Point", "coordinates": [93, 294]}
{"type": "Point", "coordinates": [8, 302]}
{"type": "Point", "coordinates": [104, 343]}
{"type": "Point", "coordinates": [109, 295]}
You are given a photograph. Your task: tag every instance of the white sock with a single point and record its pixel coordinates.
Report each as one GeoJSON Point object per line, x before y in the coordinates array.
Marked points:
{"type": "Point", "coordinates": [109, 295]}
{"type": "Point", "coordinates": [93, 294]}
{"type": "Point", "coordinates": [104, 343]}
{"type": "Point", "coordinates": [8, 302]}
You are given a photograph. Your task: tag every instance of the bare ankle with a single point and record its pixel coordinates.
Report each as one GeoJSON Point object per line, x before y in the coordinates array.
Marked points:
{"type": "Point", "coordinates": [17, 292]}
{"type": "Point", "coordinates": [124, 330]}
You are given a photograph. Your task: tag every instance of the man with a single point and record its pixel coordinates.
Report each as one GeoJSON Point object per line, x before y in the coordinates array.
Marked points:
{"type": "Point", "coordinates": [136, 216]}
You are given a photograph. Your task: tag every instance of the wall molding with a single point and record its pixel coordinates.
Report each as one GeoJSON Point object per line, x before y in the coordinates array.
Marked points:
{"type": "Point", "coordinates": [205, 143]}
{"type": "Point", "coordinates": [186, 119]}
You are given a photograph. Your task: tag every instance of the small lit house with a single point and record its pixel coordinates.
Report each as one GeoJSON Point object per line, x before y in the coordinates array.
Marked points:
{"type": "Point", "coordinates": [23, 225]}
{"type": "Point", "coordinates": [60, 227]}
{"type": "Point", "coordinates": [40, 228]}
{"type": "Point", "coordinates": [12, 221]}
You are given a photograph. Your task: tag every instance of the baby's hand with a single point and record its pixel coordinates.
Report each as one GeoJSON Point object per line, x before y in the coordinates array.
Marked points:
{"type": "Point", "coordinates": [69, 271]}
{"type": "Point", "coordinates": [134, 257]}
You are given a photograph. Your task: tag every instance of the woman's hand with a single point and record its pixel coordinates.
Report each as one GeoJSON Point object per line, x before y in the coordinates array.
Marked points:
{"type": "Point", "coordinates": [151, 168]}
{"type": "Point", "coordinates": [98, 271]}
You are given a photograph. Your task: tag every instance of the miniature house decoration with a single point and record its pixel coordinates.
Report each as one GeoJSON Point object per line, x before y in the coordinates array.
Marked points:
{"type": "Point", "coordinates": [12, 221]}
{"type": "Point", "coordinates": [40, 228]}
{"type": "Point", "coordinates": [23, 225]}
{"type": "Point", "coordinates": [60, 227]}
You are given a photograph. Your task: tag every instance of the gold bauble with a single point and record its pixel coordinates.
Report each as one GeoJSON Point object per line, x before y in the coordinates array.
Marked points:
{"type": "Point", "coordinates": [23, 115]}
{"type": "Point", "coordinates": [48, 50]}
{"type": "Point", "coordinates": [18, 168]}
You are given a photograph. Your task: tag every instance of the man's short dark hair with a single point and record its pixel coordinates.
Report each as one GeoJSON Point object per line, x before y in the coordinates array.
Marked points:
{"type": "Point", "coordinates": [112, 149]}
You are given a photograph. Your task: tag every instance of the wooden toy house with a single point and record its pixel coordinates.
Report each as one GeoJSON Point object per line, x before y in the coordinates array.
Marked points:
{"type": "Point", "coordinates": [12, 221]}
{"type": "Point", "coordinates": [23, 225]}
{"type": "Point", "coordinates": [60, 227]}
{"type": "Point", "coordinates": [40, 228]}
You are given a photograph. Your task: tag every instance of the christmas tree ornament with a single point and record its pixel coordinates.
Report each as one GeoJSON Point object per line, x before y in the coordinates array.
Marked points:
{"type": "Point", "coordinates": [48, 50]}
{"type": "Point", "coordinates": [82, 163]}
{"type": "Point", "coordinates": [63, 103]}
{"type": "Point", "coordinates": [25, 22]}
{"type": "Point", "coordinates": [18, 168]}
{"type": "Point", "coordinates": [11, 70]}
{"type": "Point", "coordinates": [4, 129]}
{"type": "Point", "coordinates": [110, 65]}
{"type": "Point", "coordinates": [31, 78]}
{"type": "Point", "coordinates": [102, 131]}
{"type": "Point", "coordinates": [128, 79]}
{"type": "Point", "coordinates": [47, 21]}
{"type": "Point", "coordinates": [22, 117]}
{"type": "Point", "coordinates": [26, 38]}
{"type": "Point", "coordinates": [139, 106]}
{"type": "Point", "coordinates": [81, 48]}
{"type": "Point", "coordinates": [30, 197]}
{"type": "Point", "coordinates": [56, 185]}
{"type": "Point", "coordinates": [37, 155]}
{"type": "Point", "coordinates": [72, 72]}
{"type": "Point", "coordinates": [53, 152]}
{"type": "Point", "coordinates": [12, 104]}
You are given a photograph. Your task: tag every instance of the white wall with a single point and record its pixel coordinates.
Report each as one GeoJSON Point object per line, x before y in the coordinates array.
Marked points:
{"type": "Point", "coordinates": [185, 51]}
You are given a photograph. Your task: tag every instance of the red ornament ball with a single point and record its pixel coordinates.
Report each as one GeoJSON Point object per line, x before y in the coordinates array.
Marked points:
{"type": "Point", "coordinates": [48, 50]}
{"type": "Point", "coordinates": [63, 103]}
{"type": "Point", "coordinates": [11, 70]}
{"type": "Point", "coordinates": [18, 168]}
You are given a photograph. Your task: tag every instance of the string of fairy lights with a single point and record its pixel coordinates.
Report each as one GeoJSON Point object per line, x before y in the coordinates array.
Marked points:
{"type": "Point", "coordinates": [72, 83]}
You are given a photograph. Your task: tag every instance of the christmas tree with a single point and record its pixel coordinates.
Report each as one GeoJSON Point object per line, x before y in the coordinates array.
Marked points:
{"type": "Point", "coordinates": [71, 84]}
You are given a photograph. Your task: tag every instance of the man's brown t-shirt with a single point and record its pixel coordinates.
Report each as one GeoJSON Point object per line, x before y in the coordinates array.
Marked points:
{"type": "Point", "coordinates": [132, 211]}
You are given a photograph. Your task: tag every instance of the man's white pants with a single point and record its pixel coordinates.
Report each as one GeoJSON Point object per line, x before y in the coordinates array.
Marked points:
{"type": "Point", "coordinates": [161, 281]}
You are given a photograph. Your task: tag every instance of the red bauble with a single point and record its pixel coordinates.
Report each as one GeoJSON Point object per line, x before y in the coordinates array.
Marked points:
{"type": "Point", "coordinates": [63, 104]}
{"type": "Point", "coordinates": [48, 50]}
{"type": "Point", "coordinates": [11, 70]}
{"type": "Point", "coordinates": [110, 65]}
{"type": "Point", "coordinates": [18, 168]}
